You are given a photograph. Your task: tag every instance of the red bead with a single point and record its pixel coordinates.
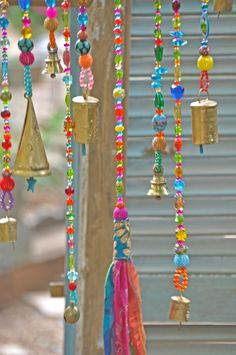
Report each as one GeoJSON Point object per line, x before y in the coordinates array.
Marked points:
{"type": "Point", "coordinates": [178, 144]}
{"type": "Point", "coordinates": [5, 114]}
{"type": "Point", "coordinates": [176, 5]}
{"type": "Point", "coordinates": [117, 31]}
{"type": "Point", "coordinates": [26, 58]}
{"type": "Point", "coordinates": [70, 230]}
{"type": "Point", "coordinates": [158, 42]}
{"type": "Point", "coordinates": [66, 33]}
{"type": "Point", "coordinates": [7, 183]}
{"type": "Point", "coordinates": [69, 201]}
{"type": "Point", "coordinates": [119, 157]}
{"type": "Point", "coordinates": [119, 112]}
{"type": "Point", "coordinates": [120, 170]}
{"type": "Point", "coordinates": [7, 137]}
{"type": "Point", "coordinates": [69, 190]}
{"type": "Point", "coordinates": [120, 205]}
{"type": "Point", "coordinates": [6, 144]}
{"type": "Point", "coordinates": [72, 286]}
{"type": "Point", "coordinates": [65, 5]}
{"type": "Point", "coordinates": [118, 21]}
{"type": "Point", "coordinates": [119, 144]}
{"type": "Point", "coordinates": [118, 41]}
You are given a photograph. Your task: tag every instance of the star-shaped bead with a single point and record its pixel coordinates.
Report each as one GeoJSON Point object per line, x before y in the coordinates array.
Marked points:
{"type": "Point", "coordinates": [31, 184]}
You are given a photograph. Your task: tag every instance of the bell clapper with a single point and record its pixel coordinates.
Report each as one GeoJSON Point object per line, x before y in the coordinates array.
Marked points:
{"type": "Point", "coordinates": [201, 149]}
{"type": "Point", "coordinates": [31, 184]}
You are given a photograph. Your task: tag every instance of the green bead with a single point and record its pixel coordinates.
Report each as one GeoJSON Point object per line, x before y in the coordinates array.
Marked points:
{"type": "Point", "coordinates": [66, 19]}
{"type": "Point", "coordinates": [118, 59]}
{"type": "Point", "coordinates": [158, 19]}
{"type": "Point", "coordinates": [177, 54]}
{"type": "Point", "coordinates": [179, 219]}
{"type": "Point", "coordinates": [5, 96]}
{"type": "Point", "coordinates": [119, 74]}
{"type": "Point", "coordinates": [157, 33]}
{"type": "Point", "coordinates": [159, 53]}
{"type": "Point", "coordinates": [176, 22]}
{"type": "Point", "coordinates": [71, 261]}
{"type": "Point", "coordinates": [70, 173]}
{"type": "Point", "coordinates": [159, 100]}
{"type": "Point", "coordinates": [178, 130]}
{"type": "Point", "coordinates": [67, 99]}
{"type": "Point", "coordinates": [70, 216]}
{"type": "Point", "coordinates": [178, 158]}
{"type": "Point", "coordinates": [117, 3]}
{"type": "Point", "coordinates": [119, 187]}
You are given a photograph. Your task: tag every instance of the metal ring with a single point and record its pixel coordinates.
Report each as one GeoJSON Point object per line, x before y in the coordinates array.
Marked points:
{"type": "Point", "coordinates": [199, 95]}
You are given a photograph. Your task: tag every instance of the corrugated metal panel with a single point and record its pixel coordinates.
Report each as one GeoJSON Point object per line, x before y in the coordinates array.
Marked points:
{"type": "Point", "coordinates": [210, 193]}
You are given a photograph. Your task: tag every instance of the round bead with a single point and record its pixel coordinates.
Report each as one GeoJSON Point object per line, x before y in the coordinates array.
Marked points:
{"type": "Point", "coordinates": [51, 12]}
{"type": "Point", "coordinates": [72, 286]}
{"type": "Point", "coordinates": [6, 145]}
{"type": "Point", "coordinates": [159, 122]}
{"type": "Point", "coordinates": [176, 5]}
{"type": "Point", "coordinates": [26, 58]}
{"type": "Point", "coordinates": [51, 24]}
{"type": "Point", "coordinates": [159, 143]}
{"type": "Point", "coordinates": [120, 213]}
{"type": "Point", "coordinates": [4, 5]}
{"type": "Point", "coordinates": [25, 4]}
{"type": "Point", "coordinates": [82, 35]}
{"type": "Point", "coordinates": [4, 22]}
{"type": "Point", "coordinates": [26, 32]}
{"type": "Point", "coordinates": [25, 45]}
{"type": "Point", "coordinates": [204, 50]}
{"type": "Point", "coordinates": [82, 47]}
{"type": "Point", "coordinates": [6, 114]}
{"type": "Point", "coordinates": [85, 61]}
{"type": "Point", "coordinates": [205, 63]}
{"type": "Point", "coordinates": [119, 93]}
{"type": "Point", "coordinates": [7, 184]}
{"type": "Point", "coordinates": [6, 96]}
{"type": "Point", "coordinates": [179, 185]}
{"type": "Point", "coordinates": [177, 91]}
{"type": "Point", "coordinates": [181, 260]}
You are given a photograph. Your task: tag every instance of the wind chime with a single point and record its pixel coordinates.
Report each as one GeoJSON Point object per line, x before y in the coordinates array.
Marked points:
{"type": "Point", "coordinates": [31, 160]}
{"type": "Point", "coordinates": [52, 62]}
{"type": "Point", "coordinates": [179, 308]}
{"type": "Point", "coordinates": [204, 112]}
{"type": "Point", "coordinates": [159, 121]}
{"type": "Point", "coordinates": [7, 183]}
{"type": "Point", "coordinates": [123, 326]}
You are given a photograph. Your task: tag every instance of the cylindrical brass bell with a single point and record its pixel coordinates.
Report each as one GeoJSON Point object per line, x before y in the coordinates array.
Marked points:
{"type": "Point", "coordinates": [179, 309]}
{"type": "Point", "coordinates": [57, 289]}
{"type": "Point", "coordinates": [8, 230]}
{"type": "Point", "coordinates": [158, 186]}
{"type": "Point", "coordinates": [204, 122]}
{"type": "Point", "coordinates": [85, 116]}
{"type": "Point", "coordinates": [31, 159]}
{"type": "Point", "coordinates": [223, 5]}
{"type": "Point", "coordinates": [52, 63]}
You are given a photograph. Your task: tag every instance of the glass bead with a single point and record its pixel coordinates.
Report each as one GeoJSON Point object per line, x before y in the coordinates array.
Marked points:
{"type": "Point", "coordinates": [177, 91]}
{"type": "Point", "coordinates": [66, 19]}
{"type": "Point", "coordinates": [179, 42]}
{"type": "Point", "coordinates": [4, 42]}
{"type": "Point", "coordinates": [177, 34]}
{"type": "Point", "coordinates": [50, 3]}
{"type": "Point", "coordinates": [179, 219]}
{"type": "Point", "coordinates": [119, 93]}
{"type": "Point", "coordinates": [181, 234]}
{"type": "Point", "coordinates": [5, 68]}
{"type": "Point", "coordinates": [156, 84]}
{"type": "Point", "coordinates": [71, 261]}
{"type": "Point", "coordinates": [158, 19]}
{"type": "Point", "coordinates": [68, 79]}
{"type": "Point", "coordinates": [4, 22]}
{"type": "Point", "coordinates": [67, 99]}
{"type": "Point", "coordinates": [83, 19]}
{"type": "Point", "coordinates": [82, 47]}
{"type": "Point", "coordinates": [159, 100]}
{"type": "Point", "coordinates": [72, 286]}
{"type": "Point", "coordinates": [176, 22]}
{"type": "Point", "coordinates": [179, 185]}
{"type": "Point", "coordinates": [51, 12]}
{"type": "Point", "coordinates": [159, 53]}
{"type": "Point", "coordinates": [26, 32]}
{"type": "Point", "coordinates": [25, 4]}
{"type": "Point", "coordinates": [181, 260]}
{"type": "Point", "coordinates": [205, 63]}
{"type": "Point", "coordinates": [159, 122]}
{"type": "Point", "coordinates": [178, 130]}
{"type": "Point", "coordinates": [73, 297]}
{"type": "Point", "coordinates": [177, 54]}
{"type": "Point", "coordinates": [176, 5]}
{"type": "Point", "coordinates": [178, 171]}
{"type": "Point", "coordinates": [161, 70]}
{"type": "Point", "coordinates": [5, 96]}
{"type": "Point", "coordinates": [118, 59]}
{"type": "Point", "coordinates": [72, 275]}
{"type": "Point", "coordinates": [25, 45]}
{"type": "Point", "coordinates": [119, 74]}
{"type": "Point", "coordinates": [26, 58]}
{"type": "Point", "coordinates": [70, 173]}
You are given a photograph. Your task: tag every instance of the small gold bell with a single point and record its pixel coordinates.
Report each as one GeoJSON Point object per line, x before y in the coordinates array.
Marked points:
{"type": "Point", "coordinates": [85, 116]}
{"type": "Point", "coordinates": [31, 160]}
{"type": "Point", "coordinates": [57, 289]}
{"type": "Point", "coordinates": [52, 63]}
{"type": "Point", "coordinates": [158, 186]}
{"type": "Point", "coordinates": [71, 314]}
{"type": "Point", "coordinates": [8, 230]}
{"type": "Point", "coordinates": [179, 309]}
{"type": "Point", "coordinates": [204, 122]}
{"type": "Point", "coordinates": [223, 5]}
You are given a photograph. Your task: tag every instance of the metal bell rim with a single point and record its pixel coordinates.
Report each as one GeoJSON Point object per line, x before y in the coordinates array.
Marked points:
{"type": "Point", "coordinates": [29, 173]}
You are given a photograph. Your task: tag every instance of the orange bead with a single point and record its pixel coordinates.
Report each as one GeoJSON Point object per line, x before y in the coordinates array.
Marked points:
{"type": "Point", "coordinates": [85, 61]}
{"type": "Point", "coordinates": [178, 171]}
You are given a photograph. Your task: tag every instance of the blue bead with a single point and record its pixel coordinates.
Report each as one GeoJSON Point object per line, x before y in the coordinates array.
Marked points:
{"type": "Point", "coordinates": [179, 185]}
{"type": "Point", "coordinates": [72, 275]}
{"type": "Point", "coordinates": [74, 297]}
{"type": "Point", "coordinates": [177, 91]}
{"type": "Point", "coordinates": [159, 122]}
{"type": "Point", "coordinates": [25, 4]}
{"type": "Point", "coordinates": [176, 33]}
{"type": "Point", "coordinates": [4, 22]}
{"type": "Point", "coordinates": [156, 77]}
{"type": "Point", "coordinates": [179, 42]}
{"type": "Point", "coordinates": [50, 3]}
{"type": "Point", "coordinates": [156, 84]}
{"type": "Point", "coordinates": [161, 70]}
{"type": "Point", "coordinates": [82, 47]}
{"type": "Point", "coordinates": [67, 79]}
{"type": "Point", "coordinates": [83, 19]}
{"type": "Point", "coordinates": [181, 260]}
{"type": "Point", "coordinates": [4, 68]}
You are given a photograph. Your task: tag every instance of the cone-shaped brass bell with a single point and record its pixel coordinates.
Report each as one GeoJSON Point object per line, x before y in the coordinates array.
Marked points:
{"type": "Point", "coordinates": [179, 309]}
{"type": "Point", "coordinates": [31, 160]}
{"type": "Point", "coordinates": [52, 63]}
{"type": "Point", "coordinates": [223, 5]}
{"type": "Point", "coordinates": [158, 186]}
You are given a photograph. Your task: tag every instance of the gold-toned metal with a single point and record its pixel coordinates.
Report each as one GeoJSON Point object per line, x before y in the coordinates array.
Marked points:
{"type": "Point", "coordinates": [52, 63]}
{"type": "Point", "coordinates": [85, 116]}
{"type": "Point", "coordinates": [158, 186]}
{"type": "Point", "coordinates": [204, 122]}
{"type": "Point", "coordinates": [31, 160]}
{"type": "Point", "coordinates": [8, 227]}
{"type": "Point", "coordinates": [71, 314]}
{"type": "Point", "coordinates": [223, 5]}
{"type": "Point", "coordinates": [57, 289]}
{"type": "Point", "coordinates": [179, 309]}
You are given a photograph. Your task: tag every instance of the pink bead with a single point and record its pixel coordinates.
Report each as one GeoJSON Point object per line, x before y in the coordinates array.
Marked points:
{"type": "Point", "coordinates": [66, 58]}
{"type": "Point", "coordinates": [26, 21]}
{"type": "Point", "coordinates": [26, 58]}
{"type": "Point", "coordinates": [51, 12]}
{"type": "Point", "coordinates": [70, 243]}
{"type": "Point", "coordinates": [120, 213]}
{"type": "Point", "coordinates": [4, 83]}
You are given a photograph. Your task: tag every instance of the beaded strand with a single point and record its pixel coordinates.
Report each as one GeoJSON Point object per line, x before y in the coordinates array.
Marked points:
{"type": "Point", "coordinates": [51, 23]}
{"type": "Point", "coordinates": [159, 120]}
{"type": "Point", "coordinates": [7, 183]}
{"type": "Point", "coordinates": [181, 259]}
{"type": "Point", "coordinates": [72, 274]}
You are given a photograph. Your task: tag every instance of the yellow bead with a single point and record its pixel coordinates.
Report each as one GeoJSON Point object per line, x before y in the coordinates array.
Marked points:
{"type": "Point", "coordinates": [26, 32]}
{"type": "Point", "coordinates": [119, 128]}
{"type": "Point", "coordinates": [181, 234]}
{"type": "Point", "coordinates": [205, 63]}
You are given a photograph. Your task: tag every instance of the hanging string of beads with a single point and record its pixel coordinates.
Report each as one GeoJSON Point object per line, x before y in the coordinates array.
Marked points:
{"type": "Point", "coordinates": [71, 314]}
{"type": "Point", "coordinates": [181, 259]}
{"type": "Point", "coordinates": [205, 62]}
{"type": "Point", "coordinates": [7, 182]}
{"type": "Point", "coordinates": [159, 121]}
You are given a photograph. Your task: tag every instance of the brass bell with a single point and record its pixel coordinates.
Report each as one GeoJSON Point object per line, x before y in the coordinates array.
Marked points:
{"type": "Point", "coordinates": [179, 309]}
{"type": "Point", "coordinates": [71, 314]}
{"type": "Point", "coordinates": [158, 186]}
{"type": "Point", "coordinates": [204, 122]}
{"type": "Point", "coordinates": [85, 116]}
{"type": "Point", "coordinates": [223, 5]}
{"type": "Point", "coordinates": [31, 160]}
{"type": "Point", "coordinates": [57, 289]}
{"type": "Point", "coordinates": [8, 230]}
{"type": "Point", "coordinates": [52, 63]}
